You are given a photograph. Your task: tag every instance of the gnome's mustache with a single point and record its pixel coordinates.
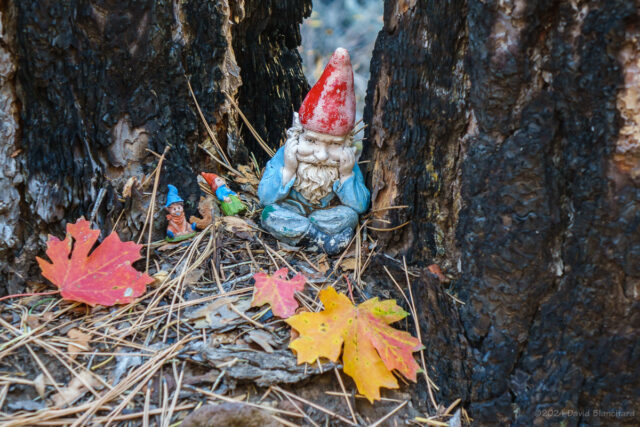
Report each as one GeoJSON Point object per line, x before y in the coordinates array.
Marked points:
{"type": "Point", "coordinates": [312, 160]}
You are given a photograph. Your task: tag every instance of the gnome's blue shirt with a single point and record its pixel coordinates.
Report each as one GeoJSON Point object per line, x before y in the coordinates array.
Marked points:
{"type": "Point", "coordinates": [352, 192]}
{"type": "Point", "coordinates": [223, 191]}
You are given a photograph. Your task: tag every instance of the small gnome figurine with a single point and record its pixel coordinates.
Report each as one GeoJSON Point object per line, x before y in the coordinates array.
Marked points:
{"type": "Point", "coordinates": [178, 228]}
{"type": "Point", "coordinates": [230, 203]}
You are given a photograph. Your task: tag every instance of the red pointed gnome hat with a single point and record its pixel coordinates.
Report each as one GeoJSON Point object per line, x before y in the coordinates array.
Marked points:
{"type": "Point", "coordinates": [330, 106]}
{"type": "Point", "coordinates": [211, 179]}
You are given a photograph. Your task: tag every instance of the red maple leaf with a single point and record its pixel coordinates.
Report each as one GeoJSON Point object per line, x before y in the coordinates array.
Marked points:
{"type": "Point", "coordinates": [278, 292]}
{"type": "Point", "coordinates": [105, 277]}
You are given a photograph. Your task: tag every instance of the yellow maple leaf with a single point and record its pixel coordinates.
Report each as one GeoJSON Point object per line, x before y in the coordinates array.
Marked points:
{"type": "Point", "coordinates": [372, 348]}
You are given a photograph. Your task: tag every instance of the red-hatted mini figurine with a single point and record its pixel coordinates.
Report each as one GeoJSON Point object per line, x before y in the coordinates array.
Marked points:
{"type": "Point", "coordinates": [178, 228]}
{"type": "Point", "coordinates": [230, 203]}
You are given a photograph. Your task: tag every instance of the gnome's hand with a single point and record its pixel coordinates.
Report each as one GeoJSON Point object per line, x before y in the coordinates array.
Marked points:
{"type": "Point", "coordinates": [290, 160]}
{"type": "Point", "coordinates": [347, 161]}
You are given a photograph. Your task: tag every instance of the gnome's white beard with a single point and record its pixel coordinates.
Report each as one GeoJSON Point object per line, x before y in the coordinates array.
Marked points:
{"type": "Point", "coordinates": [315, 181]}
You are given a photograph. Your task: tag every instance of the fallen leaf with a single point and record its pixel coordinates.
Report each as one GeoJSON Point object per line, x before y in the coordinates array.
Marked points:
{"type": "Point", "coordinates": [193, 276]}
{"type": "Point", "coordinates": [238, 226]}
{"type": "Point", "coordinates": [32, 321]}
{"type": "Point", "coordinates": [437, 271]}
{"type": "Point", "coordinates": [40, 383]}
{"type": "Point", "coordinates": [80, 342]}
{"type": "Point", "coordinates": [105, 277]}
{"type": "Point", "coordinates": [263, 338]}
{"type": "Point", "coordinates": [372, 348]}
{"type": "Point", "coordinates": [218, 314]}
{"type": "Point", "coordinates": [212, 307]}
{"type": "Point", "coordinates": [76, 388]}
{"type": "Point", "coordinates": [348, 264]}
{"type": "Point", "coordinates": [323, 264]}
{"type": "Point", "coordinates": [160, 277]}
{"type": "Point", "coordinates": [123, 363]}
{"type": "Point", "coordinates": [248, 176]}
{"type": "Point", "coordinates": [278, 292]}
{"type": "Point", "coordinates": [221, 338]}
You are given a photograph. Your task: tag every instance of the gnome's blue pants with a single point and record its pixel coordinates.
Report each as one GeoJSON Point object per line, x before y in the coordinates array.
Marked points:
{"type": "Point", "coordinates": [330, 228]}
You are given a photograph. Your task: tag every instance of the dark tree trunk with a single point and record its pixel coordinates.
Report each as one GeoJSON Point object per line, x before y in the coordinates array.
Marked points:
{"type": "Point", "coordinates": [88, 86]}
{"type": "Point", "coordinates": [511, 129]}
{"type": "Point", "coordinates": [266, 43]}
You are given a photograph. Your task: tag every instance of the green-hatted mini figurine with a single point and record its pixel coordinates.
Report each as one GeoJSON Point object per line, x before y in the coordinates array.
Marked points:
{"type": "Point", "coordinates": [230, 203]}
{"type": "Point", "coordinates": [178, 229]}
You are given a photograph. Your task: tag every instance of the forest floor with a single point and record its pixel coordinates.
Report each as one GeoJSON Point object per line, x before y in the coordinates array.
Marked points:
{"type": "Point", "coordinates": [193, 341]}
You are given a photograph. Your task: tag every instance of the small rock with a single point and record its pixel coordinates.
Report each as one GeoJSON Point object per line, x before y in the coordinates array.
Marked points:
{"type": "Point", "coordinates": [229, 415]}
{"type": "Point", "coordinates": [25, 405]}
{"type": "Point", "coordinates": [455, 421]}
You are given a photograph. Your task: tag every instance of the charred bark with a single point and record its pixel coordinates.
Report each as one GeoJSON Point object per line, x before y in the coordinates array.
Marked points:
{"type": "Point", "coordinates": [89, 87]}
{"type": "Point", "coordinates": [512, 132]}
{"type": "Point", "coordinates": [266, 42]}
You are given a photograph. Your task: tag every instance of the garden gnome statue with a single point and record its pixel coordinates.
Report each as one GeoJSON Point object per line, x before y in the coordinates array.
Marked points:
{"type": "Point", "coordinates": [230, 203]}
{"type": "Point", "coordinates": [312, 190]}
{"type": "Point", "coordinates": [178, 228]}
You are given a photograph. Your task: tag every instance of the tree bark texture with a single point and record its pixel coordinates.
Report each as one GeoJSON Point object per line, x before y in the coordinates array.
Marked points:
{"type": "Point", "coordinates": [89, 87]}
{"type": "Point", "coordinates": [272, 76]}
{"type": "Point", "coordinates": [511, 130]}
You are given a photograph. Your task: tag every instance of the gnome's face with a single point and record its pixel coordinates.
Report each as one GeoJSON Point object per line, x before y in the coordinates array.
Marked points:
{"type": "Point", "coordinates": [318, 161]}
{"type": "Point", "coordinates": [318, 151]}
{"type": "Point", "coordinates": [327, 117]}
{"type": "Point", "coordinates": [175, 209]}
{"type": "Point", "coordinates": [219, 182]}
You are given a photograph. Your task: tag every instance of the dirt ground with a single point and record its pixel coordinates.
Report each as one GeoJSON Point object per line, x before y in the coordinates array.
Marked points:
{"type": "Point", "coordinates": [193, 341]}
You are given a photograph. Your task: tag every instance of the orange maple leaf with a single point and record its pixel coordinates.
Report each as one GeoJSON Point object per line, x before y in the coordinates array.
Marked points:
{"type": "Point", "coordinates": [278, 292]}
{"type": "Point", "coordinates": [105, 277]}
{"type": "Point", "coordinates": [372, 348]}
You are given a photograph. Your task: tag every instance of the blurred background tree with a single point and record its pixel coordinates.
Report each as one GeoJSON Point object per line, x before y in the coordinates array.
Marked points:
{"type": "Point", "coordinates": [352, 24]}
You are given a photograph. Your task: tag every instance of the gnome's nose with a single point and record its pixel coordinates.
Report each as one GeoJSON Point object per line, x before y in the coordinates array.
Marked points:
{"type": "Point", "coordinates": [321, 154]}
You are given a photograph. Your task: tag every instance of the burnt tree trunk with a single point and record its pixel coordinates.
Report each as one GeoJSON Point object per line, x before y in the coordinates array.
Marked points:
{"type": "Point", "coordinates": [88, 87]}
{"type": "Point", "coordinates": [511, 129]}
